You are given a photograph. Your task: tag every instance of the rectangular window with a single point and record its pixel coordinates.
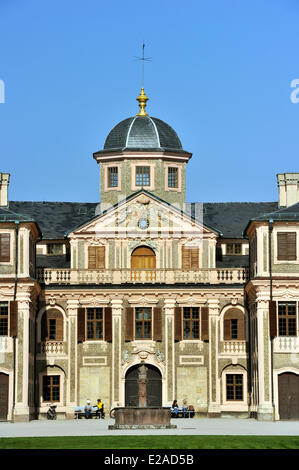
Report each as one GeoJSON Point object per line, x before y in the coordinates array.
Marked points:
{"type": "Point", "coordinates": [55, 249]}
{"type": "Point", "coordinates": [234, 328]}
{"type": "Point", "coordinates": [113, 177]}
{"type": "Point", "coordinates": [51, 388]}
{"type": "Point", "coordinates": [172, 177]}
{"type": "Point", "coordinates": [191, 322]}
{"type": "Point", "coordinates": [233, 248]}
{"type": "Point", "coordinates": [4, 247]}
{"type": "Point", "coordinates": [3, 319]}
{"type": "Point", "coordinates": [287, 321]}
{"type": "Point", "coordinates": [234, 387]}
{"type": "Point", "coordinates": [142, 176]}
{"type": "Point", "coordinates": [94, 323]}
{"type": "Point", "coordinates": [286, 246]}
{"type": "Point", "coordinates": [52, 328]}
{"type": "Point", "coordinates": [143, 323]}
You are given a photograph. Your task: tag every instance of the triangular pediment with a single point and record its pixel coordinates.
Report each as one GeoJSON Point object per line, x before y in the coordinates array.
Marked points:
{"type": "Point", "coordinates": [143, 214]}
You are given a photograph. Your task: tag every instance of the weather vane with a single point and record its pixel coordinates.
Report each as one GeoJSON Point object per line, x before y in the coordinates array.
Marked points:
{"type": "Point", "coordinates": [143, 59]}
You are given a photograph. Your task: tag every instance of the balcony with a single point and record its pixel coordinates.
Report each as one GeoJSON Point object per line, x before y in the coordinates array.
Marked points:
{"type": "Point", "coordinates": [142, 276]}
{"type": "Point", "coordinates": [51, 348]}
{"type": "Point", "coordinates": [233, 347]}
{"type": "Point", "coordinates": [286, 344]}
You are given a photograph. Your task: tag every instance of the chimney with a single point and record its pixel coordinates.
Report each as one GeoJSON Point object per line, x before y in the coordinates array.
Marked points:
{"type": "Point", "coordinates": [4, 182]}
{"type": "Point", "coordinates": [288, 187]}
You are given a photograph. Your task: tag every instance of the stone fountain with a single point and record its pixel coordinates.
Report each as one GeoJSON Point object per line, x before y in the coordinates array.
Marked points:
{"type": "Point", "coordinates": [141, 416]}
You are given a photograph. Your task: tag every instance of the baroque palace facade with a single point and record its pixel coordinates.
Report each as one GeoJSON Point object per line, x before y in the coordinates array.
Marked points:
{"type": "Point", "coordinates": [204, 294]}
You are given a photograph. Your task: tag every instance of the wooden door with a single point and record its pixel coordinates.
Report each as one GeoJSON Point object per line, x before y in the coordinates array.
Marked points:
{"type": "Point", "coordinates": [288, 391]}
{"type": "Point", "coordinates": [143, 258]}
{"type": "Point", "coordinates": [153, 388]}
{"type": "Point", "coordinates": [3, 396]}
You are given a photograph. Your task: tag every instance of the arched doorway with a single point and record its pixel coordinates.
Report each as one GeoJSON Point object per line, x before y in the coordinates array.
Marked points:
{"type": "Point", "coordinates": [288, 395]}
{"type": "Point", "coordinates": [143, 257]}
{"type": "Point", "coordinates": [154, 386]}
{"type": "Point", "coordinates": [3, 396]}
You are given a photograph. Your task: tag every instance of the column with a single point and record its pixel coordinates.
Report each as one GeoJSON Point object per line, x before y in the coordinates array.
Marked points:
{"type": "Point", "coordinates": [214, 381]}
{"type": "Point", "coordinates": [117, 307]}
{"type": "Point", "coordinates": [265, 410]}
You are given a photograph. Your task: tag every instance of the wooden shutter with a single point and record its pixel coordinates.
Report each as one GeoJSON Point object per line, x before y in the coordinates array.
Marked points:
{"type": "Point", "coordinates": [81, 325]}
{"type": "Point", "coordinates": [286, 246]}
{"type": "Point", "coordinates": [96, 257]}
{"type": "Point", "coordinates": [59, 327]}
{"type": "Point", "coordinates": [157, 324]}
{"type": "Point", "coordinates": [130, 324]}
{"type": "Point", "coordinates": [108, 324]}
{"type": "Point", "coordinates": [227, 330]}
{"type": "Point", "coordinates": [4, 247]}
{"type": "Point", "coordinates": [186, 262]}
{"type": "Point", "coordinates": [44, 327]}
{"type": "Point", "coordinates": [178, 324]}
{"type": "Point", "coordinates": [272, 318]}
{"type": "Point", "coordinates": [13, 312]}
{"type": "Point", "coordinates": [204, 323]}
{"type": "Point", "coordinates": [194, 254]}
{"type": "Point", "coordinates": [241, 327]}
{"type": "Point", "coordinates": [190, 258]}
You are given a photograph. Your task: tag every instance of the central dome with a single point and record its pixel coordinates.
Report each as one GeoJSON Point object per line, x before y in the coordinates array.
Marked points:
{"type": "Point", "coordinates": [143, 132]}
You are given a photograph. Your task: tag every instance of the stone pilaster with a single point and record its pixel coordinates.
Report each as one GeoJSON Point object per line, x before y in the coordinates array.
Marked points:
{"type": "Point", "coordinates": [169, 351]}
{"type": "Point", "coordinates": [214, 386]}
{"type": "Point", "coordinates": [265, 411]}
{"type": "Point", "coordinates": [117, 308]}
{"type": "Point", "coordinates": [21, 411]}
{"type": "Point", "coordinates": [72, 382]}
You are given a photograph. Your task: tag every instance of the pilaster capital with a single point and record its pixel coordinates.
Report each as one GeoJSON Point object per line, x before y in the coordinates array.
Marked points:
{"type": "Point", "coordinates": [117, 306]}
{"type": "Point", "coordinates": [213, 305]}
{"type": "Point", "coordinates": [169, 305]}
{"type": "Point", "coordinates": [72, 307]}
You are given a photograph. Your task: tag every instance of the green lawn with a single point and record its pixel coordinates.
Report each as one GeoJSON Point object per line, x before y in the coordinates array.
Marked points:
{"type": "Point", "coordinates": [152, 442]}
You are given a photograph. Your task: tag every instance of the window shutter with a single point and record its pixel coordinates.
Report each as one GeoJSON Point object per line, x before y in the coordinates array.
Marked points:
{"type": "Point", "coordinates": [186, 262]}
{"type": "Point", "coordinates": [81, 325]}
{"type": "Point", "coordinates": [92, 257]}
{"type": "Point", "coordinates": [129, 324]}
{"type": "Point", "coordinates": [226, 330]}
{"type": "Point", "coordinates": [194, 254]}
{"type": "Point", "coordinates": [59, 328]}
{"type": "Point", "coordinates": [108, 324]}
{"type": "Point", "coordinates": [241, 328]}
{"type": "Point", "coordinates": [178, 324]}
{"type": "Point", "coordinates": [272, 318]}
{"type": "Point", "coordinates": [286, 246]}
{"type": "Point", "coordinates": [96, 257]}
{"type": "Point", "coordinates": [13, 318]}
{"type": "Point", "coordinates": [44, 327]}
{"type": "Point", "coordinates": [100, 257]}
{"type": "Point", "coordinates": [4, 247]}
{"type": "Point", "coordinates": [204, 323]}
{"type": "Point", "coordinates": [157, 324]}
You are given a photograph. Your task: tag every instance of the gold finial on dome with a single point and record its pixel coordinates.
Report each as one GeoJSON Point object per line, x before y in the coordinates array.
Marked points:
{"type": "Point", "coordinates": [142, 98]}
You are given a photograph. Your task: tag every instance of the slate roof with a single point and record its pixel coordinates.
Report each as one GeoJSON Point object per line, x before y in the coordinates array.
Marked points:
{"type": "Point", "coordinates": [142, 132]}
{"type": "Point", "coordinates": [57, 218]}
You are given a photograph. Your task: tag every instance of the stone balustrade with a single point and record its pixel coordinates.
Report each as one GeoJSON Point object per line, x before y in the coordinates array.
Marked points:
{"type": "Point", "coordinates": [142, 276]}
{"type": "Point", "coordinates": [55, 348]}
{"type": "Point", "coordinates": [286, 344]}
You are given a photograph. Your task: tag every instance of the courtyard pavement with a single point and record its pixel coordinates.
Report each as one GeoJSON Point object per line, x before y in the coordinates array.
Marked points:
{"type": "Point", "coordinates": [195, 426]}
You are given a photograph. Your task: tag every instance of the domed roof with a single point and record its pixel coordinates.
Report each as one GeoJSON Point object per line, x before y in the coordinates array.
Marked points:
{"type": "Point", "coordinates": [143, 132]}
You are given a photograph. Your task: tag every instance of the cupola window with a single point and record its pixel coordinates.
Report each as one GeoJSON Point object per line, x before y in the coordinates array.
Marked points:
{"type": "Point", "coordinates": [172, 177]}
{"type": "Point", "coordinates": [113, 177]}
{"type": "Point", "coordinates": [142, 176]}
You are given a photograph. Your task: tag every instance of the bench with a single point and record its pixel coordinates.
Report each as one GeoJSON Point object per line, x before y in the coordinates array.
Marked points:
{"type": "Point", "coordinates": [79, 412]}
{"type": "Point", "coordinates": [189, 413]}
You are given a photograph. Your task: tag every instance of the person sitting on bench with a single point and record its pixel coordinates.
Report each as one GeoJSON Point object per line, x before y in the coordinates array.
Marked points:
{"type": "Point", "coordinates": [175, 408]}
{"type": "Point", "coordinates": [100, 410]}
{"type": "Point", "coordinates": [88, 409]}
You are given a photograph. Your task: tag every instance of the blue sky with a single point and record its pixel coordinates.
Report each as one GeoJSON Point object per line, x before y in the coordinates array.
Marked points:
{"type": "Point", "coordinates": [220, 75]}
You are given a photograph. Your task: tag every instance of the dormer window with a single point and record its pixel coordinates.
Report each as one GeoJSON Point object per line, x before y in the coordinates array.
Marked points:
{"type": "Point", "coordinates": [142, 176]}
{"type": "Point", "coordinates": [55, 249]}
{"type": "Point", "coordinates": [234, 249]}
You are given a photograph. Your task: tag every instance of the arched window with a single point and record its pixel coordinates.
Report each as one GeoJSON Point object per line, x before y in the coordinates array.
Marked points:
{"type": "Point", "coordinates": [52, 325]}
{"type": "Point", "coordinates": [234, 325]}
{"type": "Point", "coordinates": [143, 257]}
